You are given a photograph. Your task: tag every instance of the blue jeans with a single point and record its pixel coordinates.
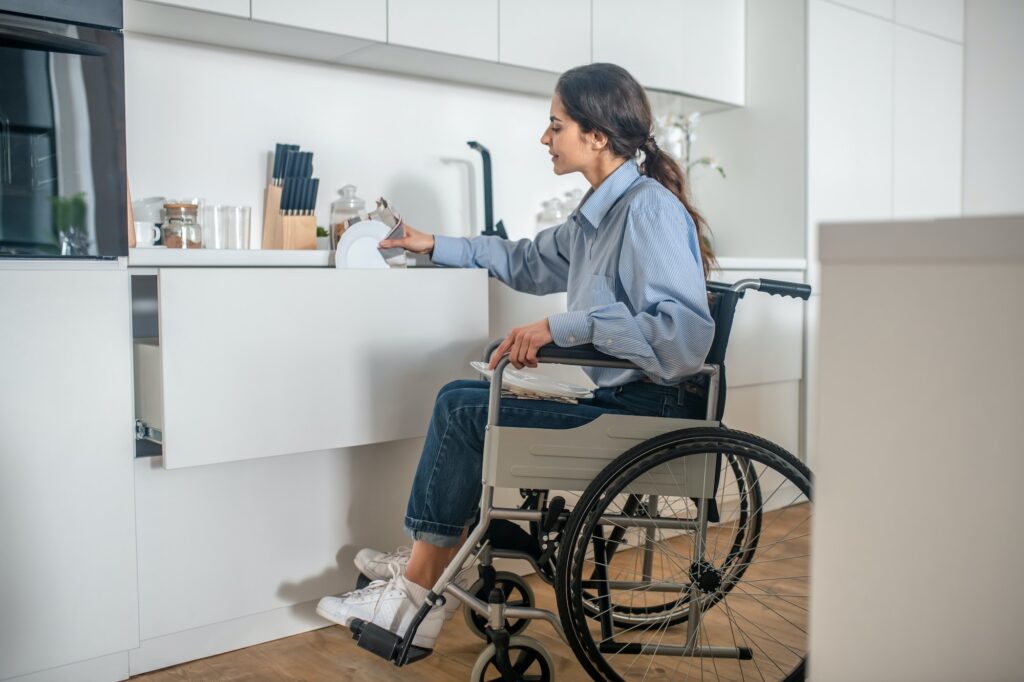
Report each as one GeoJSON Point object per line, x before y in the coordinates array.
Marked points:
{"type": "Point", "coordinates": [446, 490]}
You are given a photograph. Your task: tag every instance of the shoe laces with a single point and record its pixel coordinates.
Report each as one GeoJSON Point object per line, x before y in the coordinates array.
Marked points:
{"type": "Point", "coordinates": [375, 586]}
{"type": "Point", "coordinates": [395, 557]}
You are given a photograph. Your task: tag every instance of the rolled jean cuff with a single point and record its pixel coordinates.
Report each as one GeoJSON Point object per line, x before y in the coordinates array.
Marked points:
{"type": "Point", "coordinates": [437, 534]}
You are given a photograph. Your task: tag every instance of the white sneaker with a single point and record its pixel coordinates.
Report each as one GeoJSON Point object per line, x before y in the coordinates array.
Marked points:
{"type": "Point", "coordinates": [385, 603]}
{"type": "Point", "coordinates": [376, 565]}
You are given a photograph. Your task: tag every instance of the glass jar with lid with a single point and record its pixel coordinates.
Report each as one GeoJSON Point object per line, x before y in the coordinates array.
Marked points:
{"type": "Point", "coordinates": [181, 229]}
{"type": "Point", "coordinates": [343, 209]}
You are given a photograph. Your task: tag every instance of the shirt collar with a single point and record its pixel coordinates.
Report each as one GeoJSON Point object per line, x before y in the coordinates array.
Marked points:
{"type": "Point", "coordinates": [596, 204]}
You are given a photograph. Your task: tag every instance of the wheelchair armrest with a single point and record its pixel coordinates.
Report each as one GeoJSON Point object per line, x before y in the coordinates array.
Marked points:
{"type": "Point", "coordinates": [585, 355]}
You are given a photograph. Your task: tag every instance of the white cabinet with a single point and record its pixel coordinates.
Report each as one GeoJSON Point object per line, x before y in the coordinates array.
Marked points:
{"type": "Point", "coordinates": [359, 18]}
{"type": "Point", "coordinates": [553, 36]}
{"type": "Point", "coordinates": [256, 362]}
{"type": "Point", "coordinates": [927, 125]}
{"type": "Point", "coordinates": [68, 581]}
{"type": "Point", "coordinates": [236, 8]}
{"type": "Point", "coordinates": [943, 18]}
{"type": "Point", "coordinates": [691, 46]}
{"type": "Point", "coordinates": [461, 27]}
{"type": "Point", "coordinates": [849, 123]}
{"type": "Point", "coordinates": [880, 8]}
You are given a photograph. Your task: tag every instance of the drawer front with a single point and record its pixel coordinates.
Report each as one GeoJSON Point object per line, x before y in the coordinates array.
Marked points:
{"type": "Point", "coordinates": [260, 362]}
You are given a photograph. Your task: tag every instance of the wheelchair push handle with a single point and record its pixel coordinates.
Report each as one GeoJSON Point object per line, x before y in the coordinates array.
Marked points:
{"type": "Point", "coordinates": [790, 289]}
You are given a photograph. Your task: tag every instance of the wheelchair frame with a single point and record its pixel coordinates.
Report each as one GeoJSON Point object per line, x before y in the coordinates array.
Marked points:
{"type": "Point", "coordinates": [400, 651]}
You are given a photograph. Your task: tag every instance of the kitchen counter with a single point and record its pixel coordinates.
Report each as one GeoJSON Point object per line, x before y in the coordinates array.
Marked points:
{"type": "Point", "coordinates": [255, 258]}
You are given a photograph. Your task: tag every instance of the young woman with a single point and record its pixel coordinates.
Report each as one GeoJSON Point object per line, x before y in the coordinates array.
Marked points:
{"type": "Point", "coordinates": [633, 262]}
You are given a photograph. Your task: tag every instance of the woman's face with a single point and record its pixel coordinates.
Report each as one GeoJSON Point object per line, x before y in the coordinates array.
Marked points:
{"type": "Point", "coordinates": [571, 149]}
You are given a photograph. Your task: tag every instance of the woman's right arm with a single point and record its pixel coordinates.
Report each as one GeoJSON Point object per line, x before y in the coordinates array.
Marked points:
{"type": "Point", "coordinates": [537, 266]}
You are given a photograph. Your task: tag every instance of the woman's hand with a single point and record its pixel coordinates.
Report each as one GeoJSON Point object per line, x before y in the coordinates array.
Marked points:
{"type": "Point", "coordinates": [414, 240]}
{"type": "Point", "coordinates": [522, 344]}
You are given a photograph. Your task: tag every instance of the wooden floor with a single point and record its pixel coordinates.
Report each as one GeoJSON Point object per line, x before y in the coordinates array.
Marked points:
{"type": "Point", "coordinates": [331, 654]}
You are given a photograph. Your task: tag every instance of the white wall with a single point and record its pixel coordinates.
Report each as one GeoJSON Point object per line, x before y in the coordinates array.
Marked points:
{"type": "Point", "coordinates": [201, 120]}
{"type": "Point", "coordinates": [993, 107]}
{"type": "Point", "coordinates": [759, 209]}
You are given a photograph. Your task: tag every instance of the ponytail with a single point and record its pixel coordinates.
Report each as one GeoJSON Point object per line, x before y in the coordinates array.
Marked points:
{"type": "Point", "coordinates": [660, 166]}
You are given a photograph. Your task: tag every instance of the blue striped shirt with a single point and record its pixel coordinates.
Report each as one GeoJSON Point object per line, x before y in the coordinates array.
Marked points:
{"type": "Point", "coordinates": [630, 261]}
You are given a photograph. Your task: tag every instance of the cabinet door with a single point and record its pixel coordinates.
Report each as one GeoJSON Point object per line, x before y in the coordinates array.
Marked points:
{"type": "Point", "coordinates": [359, 18]}
{"type": "Point", "coordinates": [259, 362]}
{"type": "Point", "coordinates": [553, 36]}
{"type": "Point", "coordinates": [849, 123]}
{"type": "Point", "coordinates": [943, 18]}
{"type": "Point", "coordinates": [462, 27]}
{"type": "Point", "coordinates": [691, 46]}
{"type": "Point", "coordinates": [68, 582]}
{"type": "Point", "coordinates": [927, 125]}
{"type": "Point", "coordinates": [236, 8]}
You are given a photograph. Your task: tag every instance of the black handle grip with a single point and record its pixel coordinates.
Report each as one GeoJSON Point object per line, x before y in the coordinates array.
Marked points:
{"type": "Point", "coordinates": [791, 289]}
{"type": "Point", "coordinates": [585, 355]}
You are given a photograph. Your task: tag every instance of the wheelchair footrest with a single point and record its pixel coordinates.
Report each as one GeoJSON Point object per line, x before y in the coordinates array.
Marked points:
{"type": "Point", "coordinates": [385, 643]}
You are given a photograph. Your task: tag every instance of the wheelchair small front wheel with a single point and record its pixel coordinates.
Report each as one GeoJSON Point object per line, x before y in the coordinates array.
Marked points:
{"type": "Point", "coordinates": [528, 658]}
{"type": "Point", "coordinates": [517, 593]}
{"type": "Point", "coordinates": [739, 574]}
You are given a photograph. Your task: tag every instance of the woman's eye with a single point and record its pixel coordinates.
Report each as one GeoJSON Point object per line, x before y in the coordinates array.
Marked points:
{"type": "Point", "coordinates": [554, 129]}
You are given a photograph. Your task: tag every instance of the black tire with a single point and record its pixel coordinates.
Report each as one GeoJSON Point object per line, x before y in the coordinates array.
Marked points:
{"type": "Point", "coordinates": [729, 590]}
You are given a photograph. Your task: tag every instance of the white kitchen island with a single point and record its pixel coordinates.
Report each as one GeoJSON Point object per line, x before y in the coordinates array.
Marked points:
{"type": "Point", "coordinates": [916, 535]}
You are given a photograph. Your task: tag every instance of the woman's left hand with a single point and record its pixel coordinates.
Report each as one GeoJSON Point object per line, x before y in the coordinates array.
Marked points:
{"type": "Point", "coordinates": [522, 344]}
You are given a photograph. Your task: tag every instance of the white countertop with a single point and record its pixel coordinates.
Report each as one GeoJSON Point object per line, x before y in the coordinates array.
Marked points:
{"type": "Point", "coordinates": [255, 258]}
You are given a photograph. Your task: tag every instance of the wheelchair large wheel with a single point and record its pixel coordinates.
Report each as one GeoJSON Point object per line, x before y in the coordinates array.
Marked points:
{"type": "Point", "coordinates": [738, 490]}
{"type": "Point", "coordinates": [746, 603]}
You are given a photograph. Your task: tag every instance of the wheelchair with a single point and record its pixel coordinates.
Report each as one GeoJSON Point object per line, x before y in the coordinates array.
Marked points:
{"type": "Point", "coordinates": [677, 548]}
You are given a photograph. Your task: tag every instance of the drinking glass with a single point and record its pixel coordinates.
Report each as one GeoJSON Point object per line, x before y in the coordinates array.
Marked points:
{"type": "Point", "coordinates": [237, 226]}
{"type": "Point", "coordinates": [215, 229]}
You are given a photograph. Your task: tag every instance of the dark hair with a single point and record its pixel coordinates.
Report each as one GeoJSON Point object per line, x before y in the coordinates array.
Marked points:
{"type": "Point", "coordinates": [605, 97]}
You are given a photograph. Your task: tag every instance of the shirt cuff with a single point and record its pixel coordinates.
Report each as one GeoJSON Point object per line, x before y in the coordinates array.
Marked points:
{"type": "Point", "coordinates": [571, 329]}
{"type": "Point", "coordinates": [451, 251]}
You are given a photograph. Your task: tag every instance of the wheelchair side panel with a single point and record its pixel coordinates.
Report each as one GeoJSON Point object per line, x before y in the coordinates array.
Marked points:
{"type": "Point", "coordinates": [569, 459]}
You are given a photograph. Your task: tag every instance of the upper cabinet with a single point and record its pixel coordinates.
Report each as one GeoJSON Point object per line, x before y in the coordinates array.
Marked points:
{"type": "Point", "coordinates": [552, 36]}
{"type": "Point", "coordinates": [688, 46]}
{"type": "Point", "coordinates": [927, 125]}
{"type": "Point", "coordinates": [358, 18]}
{"type": "Point", "coordinates": [943, 18]}
{"type": "Point", "coordinates": [235, 8]}
{"type": "Point", "coordinates": [468, 28]}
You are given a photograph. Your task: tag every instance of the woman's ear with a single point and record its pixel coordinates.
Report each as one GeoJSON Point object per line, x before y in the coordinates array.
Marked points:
{"type": "Point", "coordinates": [598, 140]}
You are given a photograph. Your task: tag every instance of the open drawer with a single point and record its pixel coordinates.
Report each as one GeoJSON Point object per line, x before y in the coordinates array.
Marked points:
{"type": "Point", "coordinates": [254, 362]}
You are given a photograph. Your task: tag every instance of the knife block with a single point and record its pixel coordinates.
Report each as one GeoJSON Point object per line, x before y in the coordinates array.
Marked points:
{"type": "Point", "coordinates": [285, 231]}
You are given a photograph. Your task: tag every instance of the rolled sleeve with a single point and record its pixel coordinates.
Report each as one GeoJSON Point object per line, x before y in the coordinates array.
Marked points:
{"type": "Point", "coordinates": [571, 329]}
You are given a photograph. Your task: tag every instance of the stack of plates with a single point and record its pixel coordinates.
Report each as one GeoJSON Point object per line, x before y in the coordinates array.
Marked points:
{"type": "Point", "coordinates": [529, 385]}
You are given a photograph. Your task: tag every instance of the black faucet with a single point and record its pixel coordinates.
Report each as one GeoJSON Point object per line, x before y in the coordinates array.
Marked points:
{"type": "Point", "coordinates": [489, 227]}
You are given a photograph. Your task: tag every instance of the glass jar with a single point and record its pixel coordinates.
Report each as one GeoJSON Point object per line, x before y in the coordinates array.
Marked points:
{"type": "Point", "coordinates": [181, 227]}
{"type": "Point", "coordinates": [343, 209]}
{"type": "Point", "coordinates": [551, 215]}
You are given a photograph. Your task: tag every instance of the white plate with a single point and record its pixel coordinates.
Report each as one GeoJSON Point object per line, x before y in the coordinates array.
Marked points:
{"type": "Point", "coordinates": [535, 383]}
{"type": "Point", "coordinates": [357, 247]}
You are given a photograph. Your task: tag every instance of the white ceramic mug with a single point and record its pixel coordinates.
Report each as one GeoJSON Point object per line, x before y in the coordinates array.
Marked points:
{"type": "Point", "coordinates": [146, 234]}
